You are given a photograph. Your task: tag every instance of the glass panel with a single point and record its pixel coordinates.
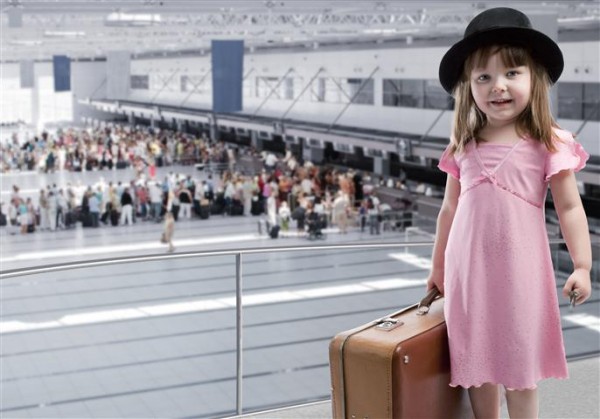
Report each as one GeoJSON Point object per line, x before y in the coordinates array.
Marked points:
{"type": "Point", "coordinates": [360, 91]}
{"type": "Point", "coordinates": [289, 88]}
{"type": "Point", "coordinates": [318, 90]}
{"type": "Point", "coordinates": [591, 101]}
{"type": "Point", "coordinates": [53, 106]}
{"type": "Point", "coordinates": [265, 87]}
{"type": "Point", "coordinates": [140, 82]}
{"type": "Point", "coordinates": [15, 102]}
{"type": "Point", "coordinates": [435, 95]}
{"type": "Point", "coordinates": [152, 339]}
{"type": "Point", "coordinates": [391, 92]}
{"type": "Point", "coordinates": [570, 98]}
{"type": "Point", "coordinates": [406, 93]}
{"type": "Point", "coordinates": [198, 84]}
{"type": "Point", "coordinates": [296, 302]}
{"type": "Point", "coordinates": [157, 339]}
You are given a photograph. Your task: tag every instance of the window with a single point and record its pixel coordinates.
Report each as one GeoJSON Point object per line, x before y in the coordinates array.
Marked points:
{"type": "Point", "coordinates": [265, 85]}
{"type": "Point", "coordinates": [570, 100]}
{"type": "Point", "coordinates": [318, 90]}
{"type": "Point", "coordinates": [53, 106]}
{"type": "Point", "coordinates": [591, 101]}
{"type": "Point", "coordinates": [427, 94]}
{"type": "Point", "coordinates": [341, 90]}
{"type": "Point", "coordinates": [140, 82]}
{"type": "Point", "coordinates": [289, 88]}
{"type": "Point", "coordinates": [579, 101]}
{"type": "Point", "coordinates": [360, 91]}
{"type": "Point", "coordinates": [15, 102]}
{"type": "Point", "coordinates": [403, 93]}
{"type": "Point", "coordinates": [435, 96]}
{"type": "Point", "coordinates": [194, 84]}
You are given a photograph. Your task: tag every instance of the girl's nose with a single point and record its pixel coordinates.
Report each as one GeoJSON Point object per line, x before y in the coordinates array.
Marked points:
{"type": "Point", "coordinates": [499, 86]}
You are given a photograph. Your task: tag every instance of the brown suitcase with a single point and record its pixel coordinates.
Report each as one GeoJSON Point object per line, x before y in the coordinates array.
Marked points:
{"type": "Point", "coordinates": [396, 367]}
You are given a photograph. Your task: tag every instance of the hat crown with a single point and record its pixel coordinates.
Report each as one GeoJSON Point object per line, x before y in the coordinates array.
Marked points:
{"type": "Point", "coordinates": [499, 17]}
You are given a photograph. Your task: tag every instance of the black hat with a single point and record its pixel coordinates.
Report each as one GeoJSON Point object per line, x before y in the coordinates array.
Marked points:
{"type": "Point", "coordinates": [501, 26]}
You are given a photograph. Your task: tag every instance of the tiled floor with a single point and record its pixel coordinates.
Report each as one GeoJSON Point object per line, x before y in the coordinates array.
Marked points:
{"type": "Point", "coordinates": [157, 339]}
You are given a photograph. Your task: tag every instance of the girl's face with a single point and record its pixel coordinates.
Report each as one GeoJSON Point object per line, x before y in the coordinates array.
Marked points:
{"type": "Point", "coordinates": [501, 92]}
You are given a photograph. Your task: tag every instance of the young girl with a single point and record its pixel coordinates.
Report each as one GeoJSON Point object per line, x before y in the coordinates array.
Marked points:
{"type": "Point", "coordinates": [491, 257]}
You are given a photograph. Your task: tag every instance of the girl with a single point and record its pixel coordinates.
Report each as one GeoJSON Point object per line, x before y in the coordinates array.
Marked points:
{"type": "Point", "coordinates": [491, 257]}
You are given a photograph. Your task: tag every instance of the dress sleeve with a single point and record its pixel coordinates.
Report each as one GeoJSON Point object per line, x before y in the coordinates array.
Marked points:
{"type": "Point", "coordinates": [570, 155]}
{"type": "Point", "coordinates": [448, 163]}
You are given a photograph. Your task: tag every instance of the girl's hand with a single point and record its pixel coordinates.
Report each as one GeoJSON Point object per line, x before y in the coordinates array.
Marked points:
{"type": "Point", "coordinates": [579, 281]}
{"type": "Point", "coordinates": [436, 280]}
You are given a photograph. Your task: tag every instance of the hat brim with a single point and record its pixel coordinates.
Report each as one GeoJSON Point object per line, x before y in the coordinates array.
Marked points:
{"type": "Point", "coordinates": [543, 50]}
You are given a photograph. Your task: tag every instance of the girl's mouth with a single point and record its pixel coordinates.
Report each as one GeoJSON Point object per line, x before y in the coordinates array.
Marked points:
{"type": "Point", "coordinates": [501, 101]}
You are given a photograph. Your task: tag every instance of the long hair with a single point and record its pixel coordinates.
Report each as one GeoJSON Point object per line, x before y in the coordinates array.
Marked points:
{"type": "Point", "coordinates": [535, 121]}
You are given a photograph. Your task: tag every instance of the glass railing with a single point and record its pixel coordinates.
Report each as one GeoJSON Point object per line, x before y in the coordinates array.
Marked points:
{"type": "Point", "coordinates": [199, 334]}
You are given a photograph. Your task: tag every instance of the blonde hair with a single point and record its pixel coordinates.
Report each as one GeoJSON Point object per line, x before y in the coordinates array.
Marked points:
{"type": "Point", "coordinates": [535, 121]}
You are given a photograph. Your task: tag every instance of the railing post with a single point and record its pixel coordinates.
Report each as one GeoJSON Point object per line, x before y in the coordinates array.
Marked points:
{"type": "Point", "coordinates": [238, 329]}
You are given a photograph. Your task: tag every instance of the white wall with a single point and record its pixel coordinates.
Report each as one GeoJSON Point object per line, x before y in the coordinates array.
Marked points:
{"type": "Point", "coordinates": [41, 104]}
{"type": "Point", "coordinates": [582, 64]}
{"type": "Point", "coordinates": [15, 103]}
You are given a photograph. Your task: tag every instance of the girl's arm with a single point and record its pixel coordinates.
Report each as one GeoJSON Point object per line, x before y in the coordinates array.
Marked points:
{"type": "Point", "coordinates": [574, 227]}
{"type": "Point", "coordinates": [444, 222]}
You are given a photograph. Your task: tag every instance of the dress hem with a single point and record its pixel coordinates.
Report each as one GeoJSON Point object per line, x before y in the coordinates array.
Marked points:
{"type": "Point", "coordinates": [510, 388]}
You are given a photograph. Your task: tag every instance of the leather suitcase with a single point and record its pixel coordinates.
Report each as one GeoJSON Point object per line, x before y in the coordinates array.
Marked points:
{"type": "Point", "coordinates": [397, 367]}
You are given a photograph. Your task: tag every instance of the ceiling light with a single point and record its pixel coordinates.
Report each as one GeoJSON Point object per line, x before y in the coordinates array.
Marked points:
{"type": "Point", "coordinates": [131, 19]}
{"type": "Point", "coordinates": [26, 43]}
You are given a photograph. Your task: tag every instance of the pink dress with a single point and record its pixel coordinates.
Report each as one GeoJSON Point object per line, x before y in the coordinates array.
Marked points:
{"type": "Point", "coordinates": [501, 302]}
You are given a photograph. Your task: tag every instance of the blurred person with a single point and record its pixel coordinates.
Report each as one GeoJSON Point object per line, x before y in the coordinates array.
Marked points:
{"type": "Point", "coordinates": [44, 214]}
{"type": "Point", "coordinates": [94, 205]}
{"type": "Point", "coordinates": [169, 230]}
{"type": "Point", "coordinates": [126, 207]}
{"type": "Point", "coordinates": [340, 211]}
{"type": "Point", "coordinates": [185, 201]}
{"type": "Point", "coordinates": [284, 214]}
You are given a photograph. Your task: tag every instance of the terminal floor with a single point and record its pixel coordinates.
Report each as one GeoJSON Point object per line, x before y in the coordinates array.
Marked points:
{"type": "Point", "coordinates": [182, 364]}
{"type": "Point", "coordinates": [576, 399]}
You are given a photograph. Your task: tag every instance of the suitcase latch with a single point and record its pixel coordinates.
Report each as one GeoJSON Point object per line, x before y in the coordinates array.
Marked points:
{"type": "Point", "coordinates": [388, 324]}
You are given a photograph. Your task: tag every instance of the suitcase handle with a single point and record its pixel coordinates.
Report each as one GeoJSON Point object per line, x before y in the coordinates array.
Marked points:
{"type": "Point", "coordinates": [425, 304]}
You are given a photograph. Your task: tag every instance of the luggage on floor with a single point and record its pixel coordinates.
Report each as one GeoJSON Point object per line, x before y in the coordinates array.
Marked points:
{"type": "Point", "coordinates": [122, 164]}
{"type": "Point", "coordinates": [70, 219]}
{"type": "Point", "coordinates": [256, 207]}
{"type": "Point", "coordinates": [216, 209]}
{"type": "Point", "coordinates": [396, 367]}
{"type": "Point", "coordinates": [114, 218]}
{"type": "Point", "coordinates": [237, 208]}
{"type": "Point", "coordinates": [86, 219]}
{"type": "Point", "coordinates": [204, 212]}
{"type": "Point", "coordinates": [274, 232]}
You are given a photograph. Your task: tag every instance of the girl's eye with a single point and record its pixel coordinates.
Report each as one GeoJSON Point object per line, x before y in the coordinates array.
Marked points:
{"type": "Point", "coordinates": [483, 77]}
{"type": "Point", "coordinates": [512, 73]}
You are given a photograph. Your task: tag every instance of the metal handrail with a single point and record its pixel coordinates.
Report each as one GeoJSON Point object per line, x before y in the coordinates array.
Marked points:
{"type": "Point", "coordinates": [13, 273]}
{"type": "Point", "coordinates": [238, 253]}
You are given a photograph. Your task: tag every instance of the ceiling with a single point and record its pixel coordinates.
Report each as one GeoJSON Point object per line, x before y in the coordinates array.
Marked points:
{"type": "Point", "coordinates": [90, 28]}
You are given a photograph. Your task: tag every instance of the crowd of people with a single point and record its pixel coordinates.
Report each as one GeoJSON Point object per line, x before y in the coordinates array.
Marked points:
{"type": "Point", "coordinates": [285, 189]}
{"type": "Point", "coordinates": [108, 148]}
